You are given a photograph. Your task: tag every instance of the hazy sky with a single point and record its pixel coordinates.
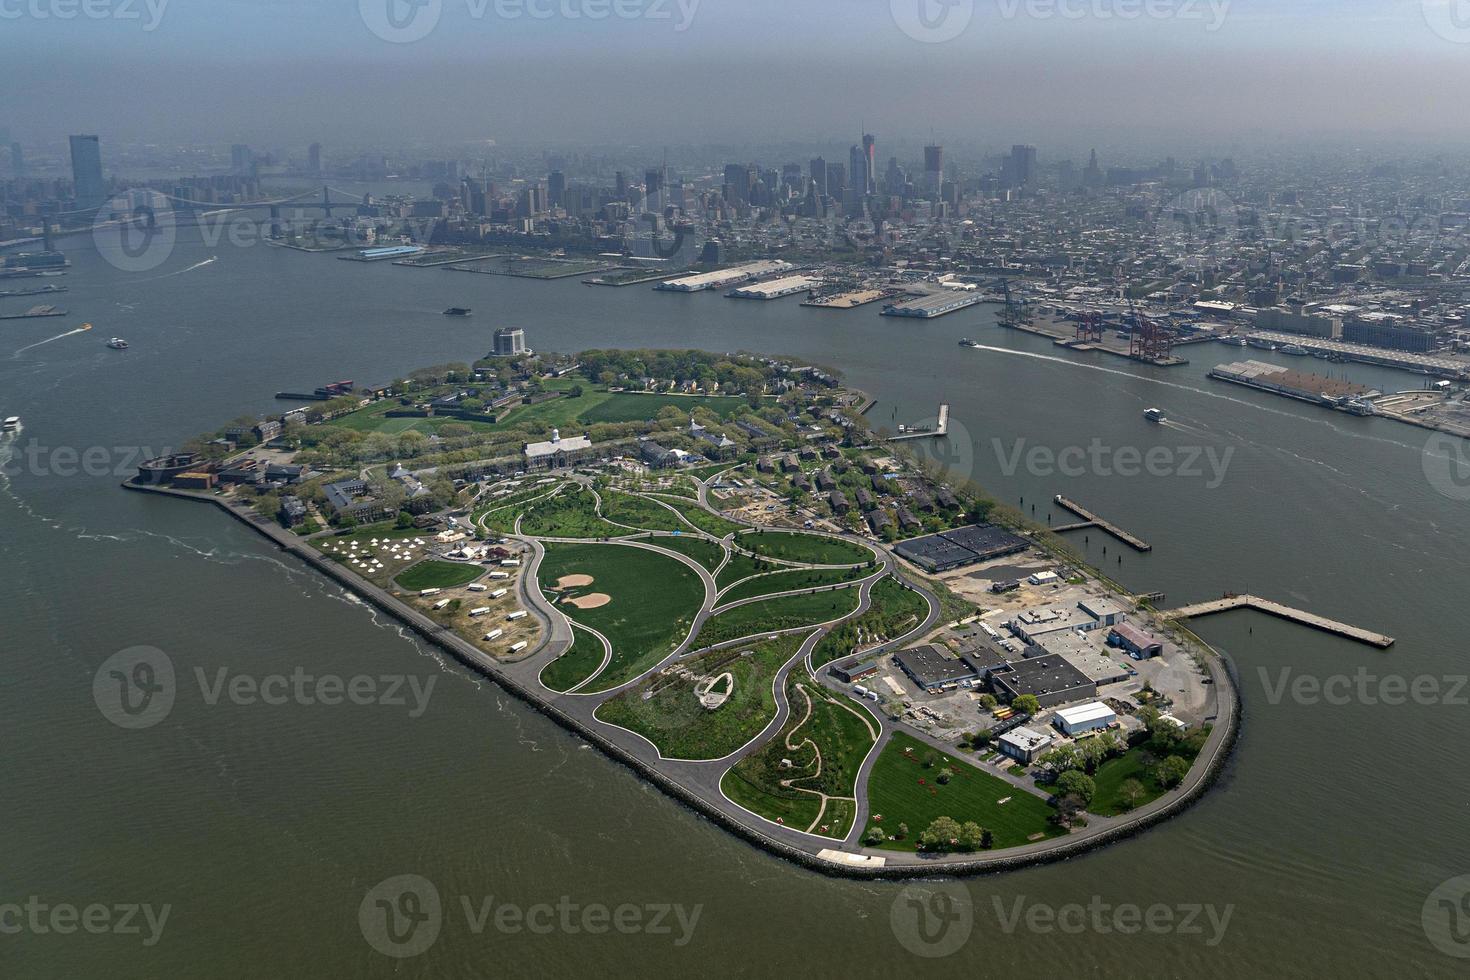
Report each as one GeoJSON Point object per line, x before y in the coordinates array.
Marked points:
{"type": "Point", "coordinates": [281, 71]}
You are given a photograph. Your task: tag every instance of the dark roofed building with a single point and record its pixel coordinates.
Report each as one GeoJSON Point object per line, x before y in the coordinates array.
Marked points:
{"type": "Point", "coordinates": [1050, 679]}
{"type": "Point", "coordinates": [933, 669]}
{"type": "Point", "coordinates": [838, 502]}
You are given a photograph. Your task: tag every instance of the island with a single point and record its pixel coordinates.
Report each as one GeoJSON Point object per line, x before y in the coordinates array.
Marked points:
{"type": "Point", "coordinates": [713, 568]}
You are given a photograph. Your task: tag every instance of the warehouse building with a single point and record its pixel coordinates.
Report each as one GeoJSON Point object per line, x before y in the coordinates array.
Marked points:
{"type": "Point", "coordinates": [935, 670]}
{"type": "Point", "coordinates": [1050, 679]}
{"type": "Point", "coordinates": [1138, 643]}
{"type": "Point", "coordinates": [1023, 744]}
{"type": "Point", "coordinates": [1083, 718]}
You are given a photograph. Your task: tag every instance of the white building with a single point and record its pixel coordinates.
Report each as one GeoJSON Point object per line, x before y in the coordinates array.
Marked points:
{"type": "Point", "coordinates": [1090, 717]}
{"type": "Point", "coordinates": [558, 453]}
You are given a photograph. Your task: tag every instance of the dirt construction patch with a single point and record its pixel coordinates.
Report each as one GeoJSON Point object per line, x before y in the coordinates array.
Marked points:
{"type": "Point", "coordinates": [594, 601]}
{"type": "Point", "coordinates": [573, 581]}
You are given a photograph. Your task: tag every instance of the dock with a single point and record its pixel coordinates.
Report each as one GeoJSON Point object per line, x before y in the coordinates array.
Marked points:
{"type": "Point", "coordinates": [938, 432]}
{"type": "Point", "coordinates": [33, 312]}
{"type": "Point", "coordinates": [1231, 602]}
{"type": "Point", "coordinates": [1089, 519]}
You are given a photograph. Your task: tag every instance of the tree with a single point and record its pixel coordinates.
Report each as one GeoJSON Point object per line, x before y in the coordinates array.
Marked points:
{"type": "Point", "coordinates": [1062, 759]}
{"type": "Point", "coordinates": [945, 775]}
{"type": "Point", "coordinates": [1078, 784]}
{"type": "Point", "coordinates": [943, 833]}
{"type": "Point", "coordinates": [876, 836]}
{"type": "Point", "coordinates": [405, 520]}
{"type": "Point", "coordinates": [982, 738]}
{"type": "Point", "coordinates": [1131, 792]}
{"type": "Point", "coordinates": [1171, 771]}
{"type": "Point", "coordinates": [987, 839]}
{"type": "Point", "coordinates": [1026, 704]}
{"type": "Point", "coordinates": [988, 701]}
{"type": "Point", "coordinates": [575, 391]}
{"type": "Point", "coordinates": [903, 831]}
{"type": "Point", "coordinates": [972, 836]}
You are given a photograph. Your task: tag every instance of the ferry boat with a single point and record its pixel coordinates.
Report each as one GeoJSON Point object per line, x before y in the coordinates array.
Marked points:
{"type": "Point", "coordinates": [1295, 350]}
{"type": "Point", "coordinates": [1260, 344]}
{"type": "Point", "coordinates": [1155, 415]}
{"type": "Point", "coordinates": [967, 342]}
{"type": "Point", "coordinates": [1233, 341]}
{"type": "Point", "coordinates": [117, 343]}
{"type": "Point", "coordinates": [11, 424]}
{"type": "Point", "coordinates": [457, 311]}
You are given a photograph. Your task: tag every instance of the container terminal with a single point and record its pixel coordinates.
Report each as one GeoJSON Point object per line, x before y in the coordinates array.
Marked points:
{"type": "Point", "coordinates": [775, 288]}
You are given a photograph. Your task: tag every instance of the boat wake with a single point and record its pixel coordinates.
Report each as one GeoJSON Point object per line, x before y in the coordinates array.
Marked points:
{"type": "Point", "coordinates": [40, 343]}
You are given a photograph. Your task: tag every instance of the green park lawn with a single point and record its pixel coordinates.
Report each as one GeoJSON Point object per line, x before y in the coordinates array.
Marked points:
{"type": "Point", "coordinates": [639, 512]}
{"type": "Point", "coordinates": [894, 611]}
{"type": "Point", "coordinates": [826, 748]}
{"type": "Point", "coordinates": [775, 615]}
{"type": "Point", "coordinates": [570, 514]}
{"type": "Point", "coordinates": [438, 575]}
{"type": "Point", "coordinates": [701, 518]}
{"type": "Point", "coordinates": [702, 550]}
{"type": "Point", "coordinates": [665, 710]}
{"type": "Point", "coordinates": [809, 548]}
{"type": "Point", "coordinates": [1137, 763]}
{"type": "Point", "coordinates": [654, 601]}
{"type": "Point", "coordinates": [742, 567]}
{"type": "Point", "coordinates": [575, 665]}
{"type": "Point", "coordinates": [902, 789]}
{"type": "Point", "coordinates": [790, 581]}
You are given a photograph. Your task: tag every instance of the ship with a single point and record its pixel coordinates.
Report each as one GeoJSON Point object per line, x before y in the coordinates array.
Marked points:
{"type": "Point", "coordinates": [1260, 344]}
{"type": "Point", "coordinates": [457, 311]}
{"type": "Point", "coordinates": [1155, 415]}
{"type": "Point", "coordinates": [1233, 341]}
{"type": "Point", "coordinates": [11, 424]}
{"type": "Point", "coordinates": [117, 343]}
{"type": "Point", "coordinates": [1295, 350]}
{"type": "Point", "coordinates": [967, 342]}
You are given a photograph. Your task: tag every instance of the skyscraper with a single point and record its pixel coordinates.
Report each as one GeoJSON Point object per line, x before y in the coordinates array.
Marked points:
{"type": "Point", "coordinates": [556, 189]}
{"type": "Point", "coordinates": [870, 160]}
{"type": "Point", "coordinates": [86, 171]}
{"type": "Point", "coordinates": [653, 190]}
{"type": "Point", "coordinates": [240, 158]}
{"type": "Point", "coordinates": [819, 175]}
{"type": "Point", "coordinates": [857, 166]}
{"type": "Point", "coordinates": [314, 158]}
{"type": "Point", "coordinates": [934, 170]}
{"type": "Point", "coordinates": [1022, 165]}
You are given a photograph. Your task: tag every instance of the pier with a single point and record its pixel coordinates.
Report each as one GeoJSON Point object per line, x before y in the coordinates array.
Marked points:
{"type": "Point", "coordinates": [1231, 602]}
{"type": "Point", "coordinates": [1089, 519]}
{"type": "Point", "coordinates": [939, 431]}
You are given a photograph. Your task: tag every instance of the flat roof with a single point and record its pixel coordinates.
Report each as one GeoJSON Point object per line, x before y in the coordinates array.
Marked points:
{"type": "Point", "coordinates": [1026, 738]}
{"type": "Point", "coordinates": [931, 664]}
{"type": "Point", "coordinates": [1082, 713]}
{"type": "Point", "coordinates": [1050, 674]}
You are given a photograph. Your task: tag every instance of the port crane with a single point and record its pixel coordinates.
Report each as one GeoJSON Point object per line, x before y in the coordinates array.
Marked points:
{"type": "Point", "coordinates": [1148, 341]}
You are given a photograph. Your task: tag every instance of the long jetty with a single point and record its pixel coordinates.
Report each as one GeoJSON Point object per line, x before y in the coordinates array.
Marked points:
{"type": "Point", "coordinates": [1276, 609]}
{"type": "Point", "coordinates": [1089, 519]}
{"type": "Point", "coordinates": [939, 431]}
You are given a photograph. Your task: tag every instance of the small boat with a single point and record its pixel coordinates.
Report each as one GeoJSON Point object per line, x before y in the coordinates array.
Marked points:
{"type": "Point", "coordinates": [1155, 415]}
{"type": "Point", "coordinates": [117, 343]}
{"type": "Point", "coordinates": [1260, 344]}
{"type": "Point", "coordinates": [11, 424]}
{"type": "Point", "coordinates": [1233, 341]}
{"type": "Point", "coordinates": [1295, 350]}
{"type": "Point", "coordinates": [967, 342]}
{"type": "Point", "coordinates": [457, 311]}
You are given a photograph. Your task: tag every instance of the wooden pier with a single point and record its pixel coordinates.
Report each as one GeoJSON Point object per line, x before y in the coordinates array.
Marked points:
{"type": "Point", "coordinates": [939, 431]}
{"type": "Point", "coordinates": [1276, 609]}
{"type": "Point", "coordinates": [1089, 519]}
